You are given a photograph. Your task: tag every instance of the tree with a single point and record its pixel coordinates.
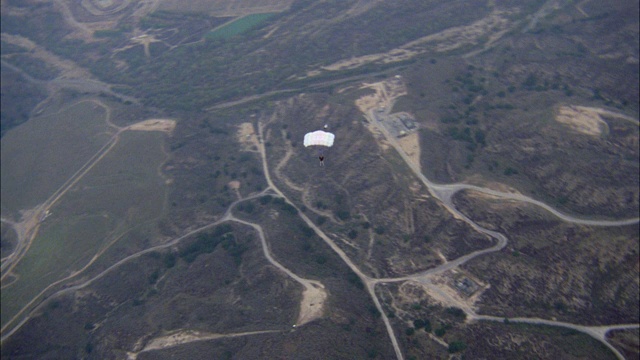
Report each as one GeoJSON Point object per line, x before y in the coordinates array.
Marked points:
{"type": "Point", "coordinates": [427, 325]}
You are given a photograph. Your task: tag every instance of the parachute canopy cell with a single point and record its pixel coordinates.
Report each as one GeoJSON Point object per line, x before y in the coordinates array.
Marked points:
{"type": "Point", "coordinates": [319, 138]}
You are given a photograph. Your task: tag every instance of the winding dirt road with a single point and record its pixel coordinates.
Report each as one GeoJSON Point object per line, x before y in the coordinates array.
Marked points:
{"type": "Point", "coordinates": [314, 291]}
{"type": "Point", "coordinates": [445, 193]}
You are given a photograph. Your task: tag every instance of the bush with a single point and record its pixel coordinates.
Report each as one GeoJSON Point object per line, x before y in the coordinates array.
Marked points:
{"type": "Point", "coordinates": [154, 277]}
{"type": "Point", "coordinates": [510, 171]}
{"type": "Point", "coordinates": [289, 208]}
{"type": "Point", "coordinates": [457, 346]}
{"type": "Point", "coordinates": [234, 248]}
{"type": "Point", "coordinates": [457, 312]}
{"type": "Point", "coordinates": [266, 199]}
{"type": "Point", "coordinates": [247, 207]}
{"type": "Point", "coordinates": [343, 215]}
{"type": "Point", "coordinates": [427, 326]}
{"type": "Point", "coordinates": [353, 234]}
{"type": "Point", "coordinates": [169, 260]}
{"type": "Point", "coordinates": [306, 230]}
{"type": "Point", "coordinates": [355, 280]}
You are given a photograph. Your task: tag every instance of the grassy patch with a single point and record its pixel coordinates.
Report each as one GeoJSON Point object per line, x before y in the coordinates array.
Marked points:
{"type": "Point", "coordinates": [41, 154]}
{"type": "Point", "coordinates": [65, 246]}
{"type": "Point", "coordinates": [121, 196]}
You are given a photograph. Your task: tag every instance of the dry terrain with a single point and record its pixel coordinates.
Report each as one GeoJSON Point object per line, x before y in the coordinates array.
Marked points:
{"type": "Point", "coordinates": [480, 199]}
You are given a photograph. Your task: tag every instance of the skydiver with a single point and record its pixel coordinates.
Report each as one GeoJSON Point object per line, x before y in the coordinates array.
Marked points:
{"type": "Point", "coordinates": [321, 157]}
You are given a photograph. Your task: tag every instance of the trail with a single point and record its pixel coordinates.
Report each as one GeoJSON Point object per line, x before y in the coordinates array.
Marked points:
{"type": "Point", "coordinates": [370, 283]}
{"type": "Point", "coordinates": [27, 229]}
{"type": "Point", "coordinates": [30, 225]}
{"type": "Point", "coordinates": [597, 332]}
{"type": "Point", "coordinates": [314, 294]}
{"type": "Point", "coordinates": [444, 193]}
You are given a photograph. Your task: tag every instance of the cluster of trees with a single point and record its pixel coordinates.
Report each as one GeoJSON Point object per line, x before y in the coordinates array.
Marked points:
{"type": "Point", "coordinates": [425, 324]}
{"type": "Point", "coordinates": [34, 67]}
{"type": "Point", "coordinates": [206, 243]}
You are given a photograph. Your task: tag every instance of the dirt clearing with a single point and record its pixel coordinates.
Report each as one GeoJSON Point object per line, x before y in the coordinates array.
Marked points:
{"type": "Point", "coordinates": [585, 120]}
{"type": "Point", "coordinates": [411, 146]}
{"type": "Point", "coordinates": [247, 137]}
{"type": "Point", "coordinates": [312, 304]}
{"type": "Point", "coordinates": [164, 125]}
{"type": "Point", "coordinates": [186, 336]}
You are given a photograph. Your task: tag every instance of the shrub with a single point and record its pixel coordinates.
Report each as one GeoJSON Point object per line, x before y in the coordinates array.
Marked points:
{"type": "Point", "coordinates": [169, 260]}
{"type": "Point", "coordinates": [266, 199]}
{"type": "Point", "coordinates": [427, 325]}
{"type": "Point", "coordinates": [457, 346]}
{"type": "Point", "coordinates": [510, 171]}
{"type": "Point", "coordinates": [457, 312]}
{"type": "Point", "coordinates": [343, 215]}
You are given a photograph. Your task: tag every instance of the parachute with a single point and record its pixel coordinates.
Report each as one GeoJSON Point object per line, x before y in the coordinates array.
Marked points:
{"type": "Point", "coordinates": [319, 138]}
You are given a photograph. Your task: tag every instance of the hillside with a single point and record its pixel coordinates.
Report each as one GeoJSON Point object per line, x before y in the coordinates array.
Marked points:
{"type": "Point", "coordinates": [481, 198]}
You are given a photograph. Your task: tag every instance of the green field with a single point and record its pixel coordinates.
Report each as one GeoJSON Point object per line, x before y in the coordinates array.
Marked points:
{"type": "Point", "coordinates": [116, 200]}
{"type": "Point", "coordinates": [60, 248]}
{"type": "Point", "coordinates": [238, 26]}
{"type": "Point", "coordinates": [41, 154]}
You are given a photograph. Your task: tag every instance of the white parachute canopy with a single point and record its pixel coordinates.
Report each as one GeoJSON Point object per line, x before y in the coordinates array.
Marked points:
{"type": "Point", "coordinates": [321, 138]}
